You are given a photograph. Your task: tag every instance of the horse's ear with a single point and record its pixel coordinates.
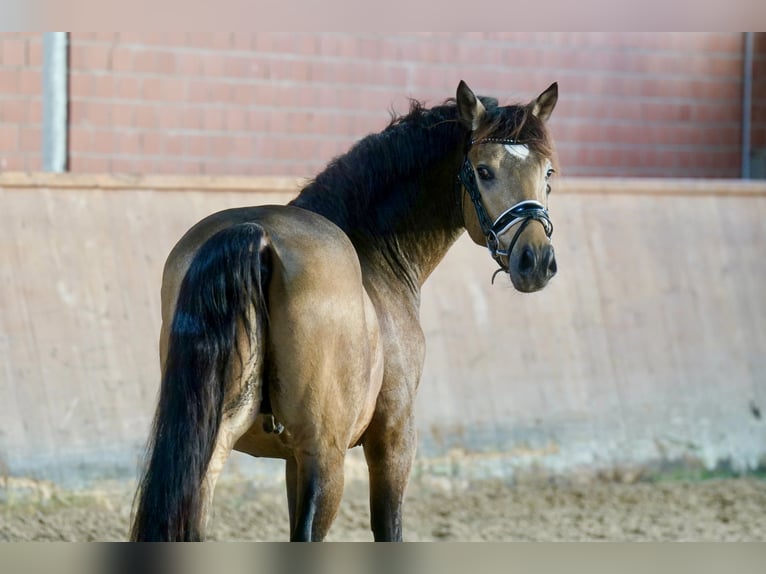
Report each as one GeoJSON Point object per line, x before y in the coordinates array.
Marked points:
{"type": "Point", "coordinates": [545, 102]}
{"type": "Point", "coordinates": [471, 110]}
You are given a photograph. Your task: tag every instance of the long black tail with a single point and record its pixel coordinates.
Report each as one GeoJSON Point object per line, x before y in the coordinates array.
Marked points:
{"type": "Point", "coordinates": [225, 280]}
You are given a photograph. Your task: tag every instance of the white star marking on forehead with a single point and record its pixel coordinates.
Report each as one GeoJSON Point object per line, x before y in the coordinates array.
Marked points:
{"type": "Point", "coordinates": [521, 151]}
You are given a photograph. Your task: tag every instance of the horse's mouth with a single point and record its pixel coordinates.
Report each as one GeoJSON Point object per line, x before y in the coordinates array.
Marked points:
{"type": "Point", "coordinates": [527, 284]}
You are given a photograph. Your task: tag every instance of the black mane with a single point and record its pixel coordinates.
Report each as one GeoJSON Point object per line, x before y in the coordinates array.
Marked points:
{"type": "Point", "coordinates": [369, 188]}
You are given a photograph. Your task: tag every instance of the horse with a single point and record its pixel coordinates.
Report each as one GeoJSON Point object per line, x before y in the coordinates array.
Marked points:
{"type": "Point", "coordinates": [292, 331]}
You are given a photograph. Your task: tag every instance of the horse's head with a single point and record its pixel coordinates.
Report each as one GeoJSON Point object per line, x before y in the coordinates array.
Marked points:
{"type": "Point", "coordinates": [506, 175]}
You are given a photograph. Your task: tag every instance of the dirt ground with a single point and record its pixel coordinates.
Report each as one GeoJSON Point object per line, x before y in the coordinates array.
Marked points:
{"type": "Point", "coordinates": [712, 510]}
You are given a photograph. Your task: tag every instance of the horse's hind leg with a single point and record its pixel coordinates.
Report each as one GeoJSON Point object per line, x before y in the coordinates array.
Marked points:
{"type": "Point", "coordinates": [291, 482]}
{"type": "Point", "coordinates": [232, 428]}
{"type": "Point", "coordinates": [317, 490]}
{"type": "Point", "coordinates": [242, 402]}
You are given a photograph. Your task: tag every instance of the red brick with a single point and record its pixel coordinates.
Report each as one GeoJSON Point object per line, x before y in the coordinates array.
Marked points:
{"type": "Point", "coordinates": [98, 57]}
{"type": "Point", "coordinates": [30, 139]}
{"type": "Point", "coordinates": [9, 138]}
{"type": "Point", "coordinates": [132, 37]}
{"type": "Point", "coordinates": [122, 59]}
{"type": "Point", "coordinates": [237, 67]}
{"type": "Point", "coordinates": [145, 117]}
{"type": "Point", "coordinates": [213, 64]}
{"type": "Point", "coordinates": [190, 118]}
{"type": "Point", "coordinates": [262, 42]}
{"type": "Point", "coordinates": [174, 145]}
{"type": "Point", "coordinates": [9, 81]}
{"type": "Point", "coordinates": [145, 61]}
{"type": "Point", "coordinates": [94, 113]}
{"type": "Point", "coordinates": [107, 37]}
{"type": "Point", "coordinates": [80, 140]}
{"type": "Point", "coordinates": [151, 89]}
{"type": "Point", "coordinates": [30, 82]}
{"type": "Point", "coordinates": [79, 37]}
{"type": "Point", "coordinates": [213, 119]}
{"type": "Point", "coordinates": [240, 94]}
{"type": "Point", "coordinates": [35, 111]}
{"type": "Point", "coordinates": [152, 143]}
{"type": "Point", "coordinates": [126, 165]}
{"type": "Point", "coordinates": [128, 143]}
{"type": "Point", "coordinates": [165, 63]}
{"type": "Point", "coordinates": [88, 164]}
{"type": "Point", "coordinates": [167, 118]}
{"type": "Point", "coordinates": [219, 146]}
{"type": "Point", "coordinates": [259, 120]}
{"type": "Point", "coordinates": [127, 87]}
{"type": "Point", "coordinates": [242, 41]}
{"type": "Point", "coordinates": [189, 64]}
{"type": "Point", "coordinates": [104, 141]}
{"type": "Point", "coordinates": [14, 162]}
{"type": "Point", "coordinates": [123, 115]}
{"type": "Point", "coordinates": [34, 52]}
{"type": "Point", "coordinates": [15, 111]}
{"type": "Point", "coordinates": [242, 147]}
{"type": "Point", "coordinates": [105, 87]}
{"type": "Point", "coordinates": [13, 52]}
{"type": "Point", "coordinates": [199, 39]}
{"type": "Point", "coordinates": [198, 91]}
{"type": "Point", "coordinates": [196, 145]}
{"type": "Point", "coordinates": [369, 48]}
{"type": "Point", "coordinates": [236, 118]}
{"type": "Point", "coordinates": [81, 85]}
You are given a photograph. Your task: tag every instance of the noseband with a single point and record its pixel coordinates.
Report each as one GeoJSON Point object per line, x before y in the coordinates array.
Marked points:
{"type": "Point", "coordinates": [521, 213]}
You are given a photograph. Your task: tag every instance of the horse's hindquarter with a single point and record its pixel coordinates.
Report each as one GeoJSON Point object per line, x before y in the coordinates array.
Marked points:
{"type": "Point", "coordinates": [324, 338]}
{"type": "Point", "coordinates": [324, 358]}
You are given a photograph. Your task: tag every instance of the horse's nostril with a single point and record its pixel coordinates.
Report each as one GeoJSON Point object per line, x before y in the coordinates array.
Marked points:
{"type": "Point", "coordinates": [550, 261]}
{"type": "Point", "coordinates": [527, 260]}
{"type": "Point", "coordinates": [552, 267]}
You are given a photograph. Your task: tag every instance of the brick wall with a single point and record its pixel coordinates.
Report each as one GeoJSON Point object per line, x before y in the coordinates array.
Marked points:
{"type": "Point", "coordinates": [631, 104]}
{"type": "Point", "coordinates": [20, 102]}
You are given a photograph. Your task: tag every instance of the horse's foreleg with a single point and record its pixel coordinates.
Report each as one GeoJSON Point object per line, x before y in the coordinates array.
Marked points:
{"type": "Point", "coordinates": [389, 447]}
{"type": "Point", "coordinates": [319, 489]}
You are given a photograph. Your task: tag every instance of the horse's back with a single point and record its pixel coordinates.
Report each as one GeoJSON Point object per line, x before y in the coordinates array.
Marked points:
{"type": "Point", "coordinates": [324, 365]}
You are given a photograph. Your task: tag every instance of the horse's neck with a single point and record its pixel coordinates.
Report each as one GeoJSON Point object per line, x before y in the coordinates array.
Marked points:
{"type": "Point", "coordinates": [423, 235]}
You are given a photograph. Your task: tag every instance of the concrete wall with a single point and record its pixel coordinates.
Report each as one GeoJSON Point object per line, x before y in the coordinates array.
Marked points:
{"type": "Point", "coordinates": [636, 104]}
{"type": "Point", "coordinates": [648, 347]}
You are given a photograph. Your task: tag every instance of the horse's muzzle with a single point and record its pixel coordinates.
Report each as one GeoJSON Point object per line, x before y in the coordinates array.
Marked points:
{"type": "Point", "coordinates": [532, 268]}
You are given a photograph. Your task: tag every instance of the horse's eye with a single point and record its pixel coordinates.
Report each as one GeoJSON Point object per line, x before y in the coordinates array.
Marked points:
{"type": "Point", "coordinates": [484, 173]}
{"type": "Point", "coordinates": [549, 173]}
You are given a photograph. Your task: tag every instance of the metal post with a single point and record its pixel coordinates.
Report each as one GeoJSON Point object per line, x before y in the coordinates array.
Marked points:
{"type": "Point", "coordinates": [747, 95]}
{"type": "Point", "coordinates": [55, 101]}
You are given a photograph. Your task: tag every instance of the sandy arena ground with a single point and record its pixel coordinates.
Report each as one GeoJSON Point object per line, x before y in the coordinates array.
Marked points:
{"type": "Point", "coordinates": [713, 510]}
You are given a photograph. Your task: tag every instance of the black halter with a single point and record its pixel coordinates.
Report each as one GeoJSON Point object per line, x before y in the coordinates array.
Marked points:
{"type": "Point", "coordinates": [522, 213]}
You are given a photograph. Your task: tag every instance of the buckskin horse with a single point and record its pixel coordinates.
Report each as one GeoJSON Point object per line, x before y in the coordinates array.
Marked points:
{"type": "Point", "coordinates": [293, 331]}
